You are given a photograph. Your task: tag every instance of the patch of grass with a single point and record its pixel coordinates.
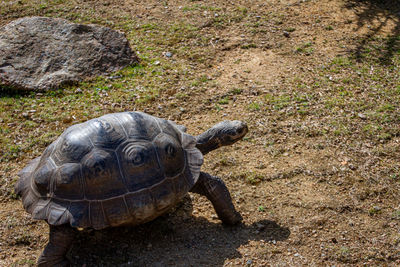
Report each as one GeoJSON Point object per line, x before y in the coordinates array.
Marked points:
{"type": "Point", "coordinates": [218, 108]}
{"type": "Point", "coordinates": [248, 46]}
{"type": "Point", "coordinates": [396, 215]}
{"type": "Point", "coordinates": [254, 106]}
{"type": "Point", "coordinates": [252, 177]}
{"type": "Point", "coordinates": [200, 7]}
{"type": "Point", "coordinates": [341, 61]}
{"type": "Point", "coordinates": [11, 151]}
{"type": "Point", "coordinates": [236, 91]}
{"type": "Point", "coordinates": [306, 48]}
{"type": "Point", "coordinates": [24, 239]}
{"type": "Point", "coordinates": [224, 101]}
{"type": "Point", "coordinates": [329, 28]}
{"type": "Point", "coordinates": [374, 210]}
{"type": "Point", "coordinates": [277, 102]}
{"type": "Point", "coordinates": [290, 29]}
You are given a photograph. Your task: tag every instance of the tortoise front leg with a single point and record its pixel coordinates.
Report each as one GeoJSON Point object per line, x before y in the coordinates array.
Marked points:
{"type": "Point", "coordinates": [60, 241]}
{"type": "Point", "coordinates": [216, 191]}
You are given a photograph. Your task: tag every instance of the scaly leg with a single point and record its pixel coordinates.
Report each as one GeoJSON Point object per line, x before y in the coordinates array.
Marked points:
{"type": "Point", "coordinates": [216, 191]}
{"type": "Point", "coordinates": [60, 240]}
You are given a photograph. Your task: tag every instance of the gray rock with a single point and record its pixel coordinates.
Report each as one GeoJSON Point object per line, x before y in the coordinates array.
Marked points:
{"type": "Point", "coordinates": [38, 53]}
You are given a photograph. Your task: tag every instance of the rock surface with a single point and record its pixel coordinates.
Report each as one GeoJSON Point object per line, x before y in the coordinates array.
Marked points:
{"type": "Point", "coordinates": [38, 53]}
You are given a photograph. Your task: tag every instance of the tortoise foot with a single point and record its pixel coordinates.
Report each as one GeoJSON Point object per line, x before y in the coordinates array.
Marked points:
{"type": "Point", "coordinates": [235, 218]}
{"type": "Point", "coordinates": [216, 191]}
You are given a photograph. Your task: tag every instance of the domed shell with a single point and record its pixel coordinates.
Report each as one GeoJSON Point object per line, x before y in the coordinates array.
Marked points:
{"type": "Point", "coordinates": [121, 168]}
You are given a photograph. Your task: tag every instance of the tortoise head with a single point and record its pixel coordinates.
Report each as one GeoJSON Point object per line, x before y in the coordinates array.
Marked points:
{"type": "Point", "coordinates": [222, 134]}
{"type": "Point", "coordinates": [231, 131]}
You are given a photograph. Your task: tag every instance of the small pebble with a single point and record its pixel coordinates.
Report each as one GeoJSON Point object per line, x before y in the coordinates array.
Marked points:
{"type": "Point", "coordinates": [286, 34]}
{"type": "Point", "coordinates": [114, 77]}
{"type": "Point", "coordinates": [377, 208]}
{"type": "Point", "coordinates": [362, 116]}
{"type": "Point", "coordinates": [249, 262]}
{"type": "Point", "coordinates": [297, 255]}
{"type": "Point", "coordinates": [168, 54]}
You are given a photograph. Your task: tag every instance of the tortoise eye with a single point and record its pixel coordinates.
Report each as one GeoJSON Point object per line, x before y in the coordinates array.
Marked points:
{"type": "Point", "coordinates": [170, 150]}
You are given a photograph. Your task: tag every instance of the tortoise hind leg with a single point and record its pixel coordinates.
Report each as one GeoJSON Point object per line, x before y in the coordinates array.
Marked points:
{"type": "Point", "coordinates": [216, 191]}
{"type": "Point", "coordinates": [60, 241]}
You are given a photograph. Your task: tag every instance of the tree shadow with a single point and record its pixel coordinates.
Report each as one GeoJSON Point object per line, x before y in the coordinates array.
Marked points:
{"type": "Point", "coordinates": [176, 239]}
{"type": "Point", "coordinates": [377, 14]}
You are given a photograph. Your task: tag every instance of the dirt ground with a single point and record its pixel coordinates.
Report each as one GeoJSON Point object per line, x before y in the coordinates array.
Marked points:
{"type": "Point", "coordinates": [317, 178]}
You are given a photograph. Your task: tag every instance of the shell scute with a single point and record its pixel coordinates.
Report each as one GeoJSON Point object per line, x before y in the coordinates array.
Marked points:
{"type": "Point", "coordinates": [116, 211]}
{"type": "Point", "coordinates": [68, 182]}
{"type": "Point", "coordinates": [42, 177]}
{"type": "Point", "coordinates": [101, 175]}
{"type": "Point", "coordinates": [170, 128]}
{"type": "Point", "coordinates": [71, 147]}
{"type": "Point", "coordinates": [57, 212]}
{"type": "Point", "coordinates": [108, 133]}
{"type": "Point", "coordinates": [181, 184]}
{"type": "Point", "coordinates": [80, 214]}
{"type": "Point", "coordinates": [141, 205]}
{"type": "Point", "coordinates": [97, 218]}
{"type": "Point", "coordinates": [143, 127]}
{"type": "Point", "coordinates": [163, 195]}
{"type": "Point", "coordinates": [171, 154]}
{"type": "Point", "coordinates": [139, 164]}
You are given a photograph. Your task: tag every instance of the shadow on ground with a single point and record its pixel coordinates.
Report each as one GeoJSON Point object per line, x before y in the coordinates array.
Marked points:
{"type": "Point", "coordinates": [376, 15]}
{"type": "Point", "coordinates": [176, 239]}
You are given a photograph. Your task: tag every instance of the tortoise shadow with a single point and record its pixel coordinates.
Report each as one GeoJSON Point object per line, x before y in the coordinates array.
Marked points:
{"type": "Point", "coordinates": [175, 239]}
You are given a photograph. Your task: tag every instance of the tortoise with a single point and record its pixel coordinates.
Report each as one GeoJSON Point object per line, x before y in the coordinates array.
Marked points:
{"type": "Point", "coordinates": [121, 169]}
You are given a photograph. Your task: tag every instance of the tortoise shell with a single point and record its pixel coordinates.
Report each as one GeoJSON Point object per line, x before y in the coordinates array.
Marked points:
{"type": "Point", "coordinates": [121, 168]}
